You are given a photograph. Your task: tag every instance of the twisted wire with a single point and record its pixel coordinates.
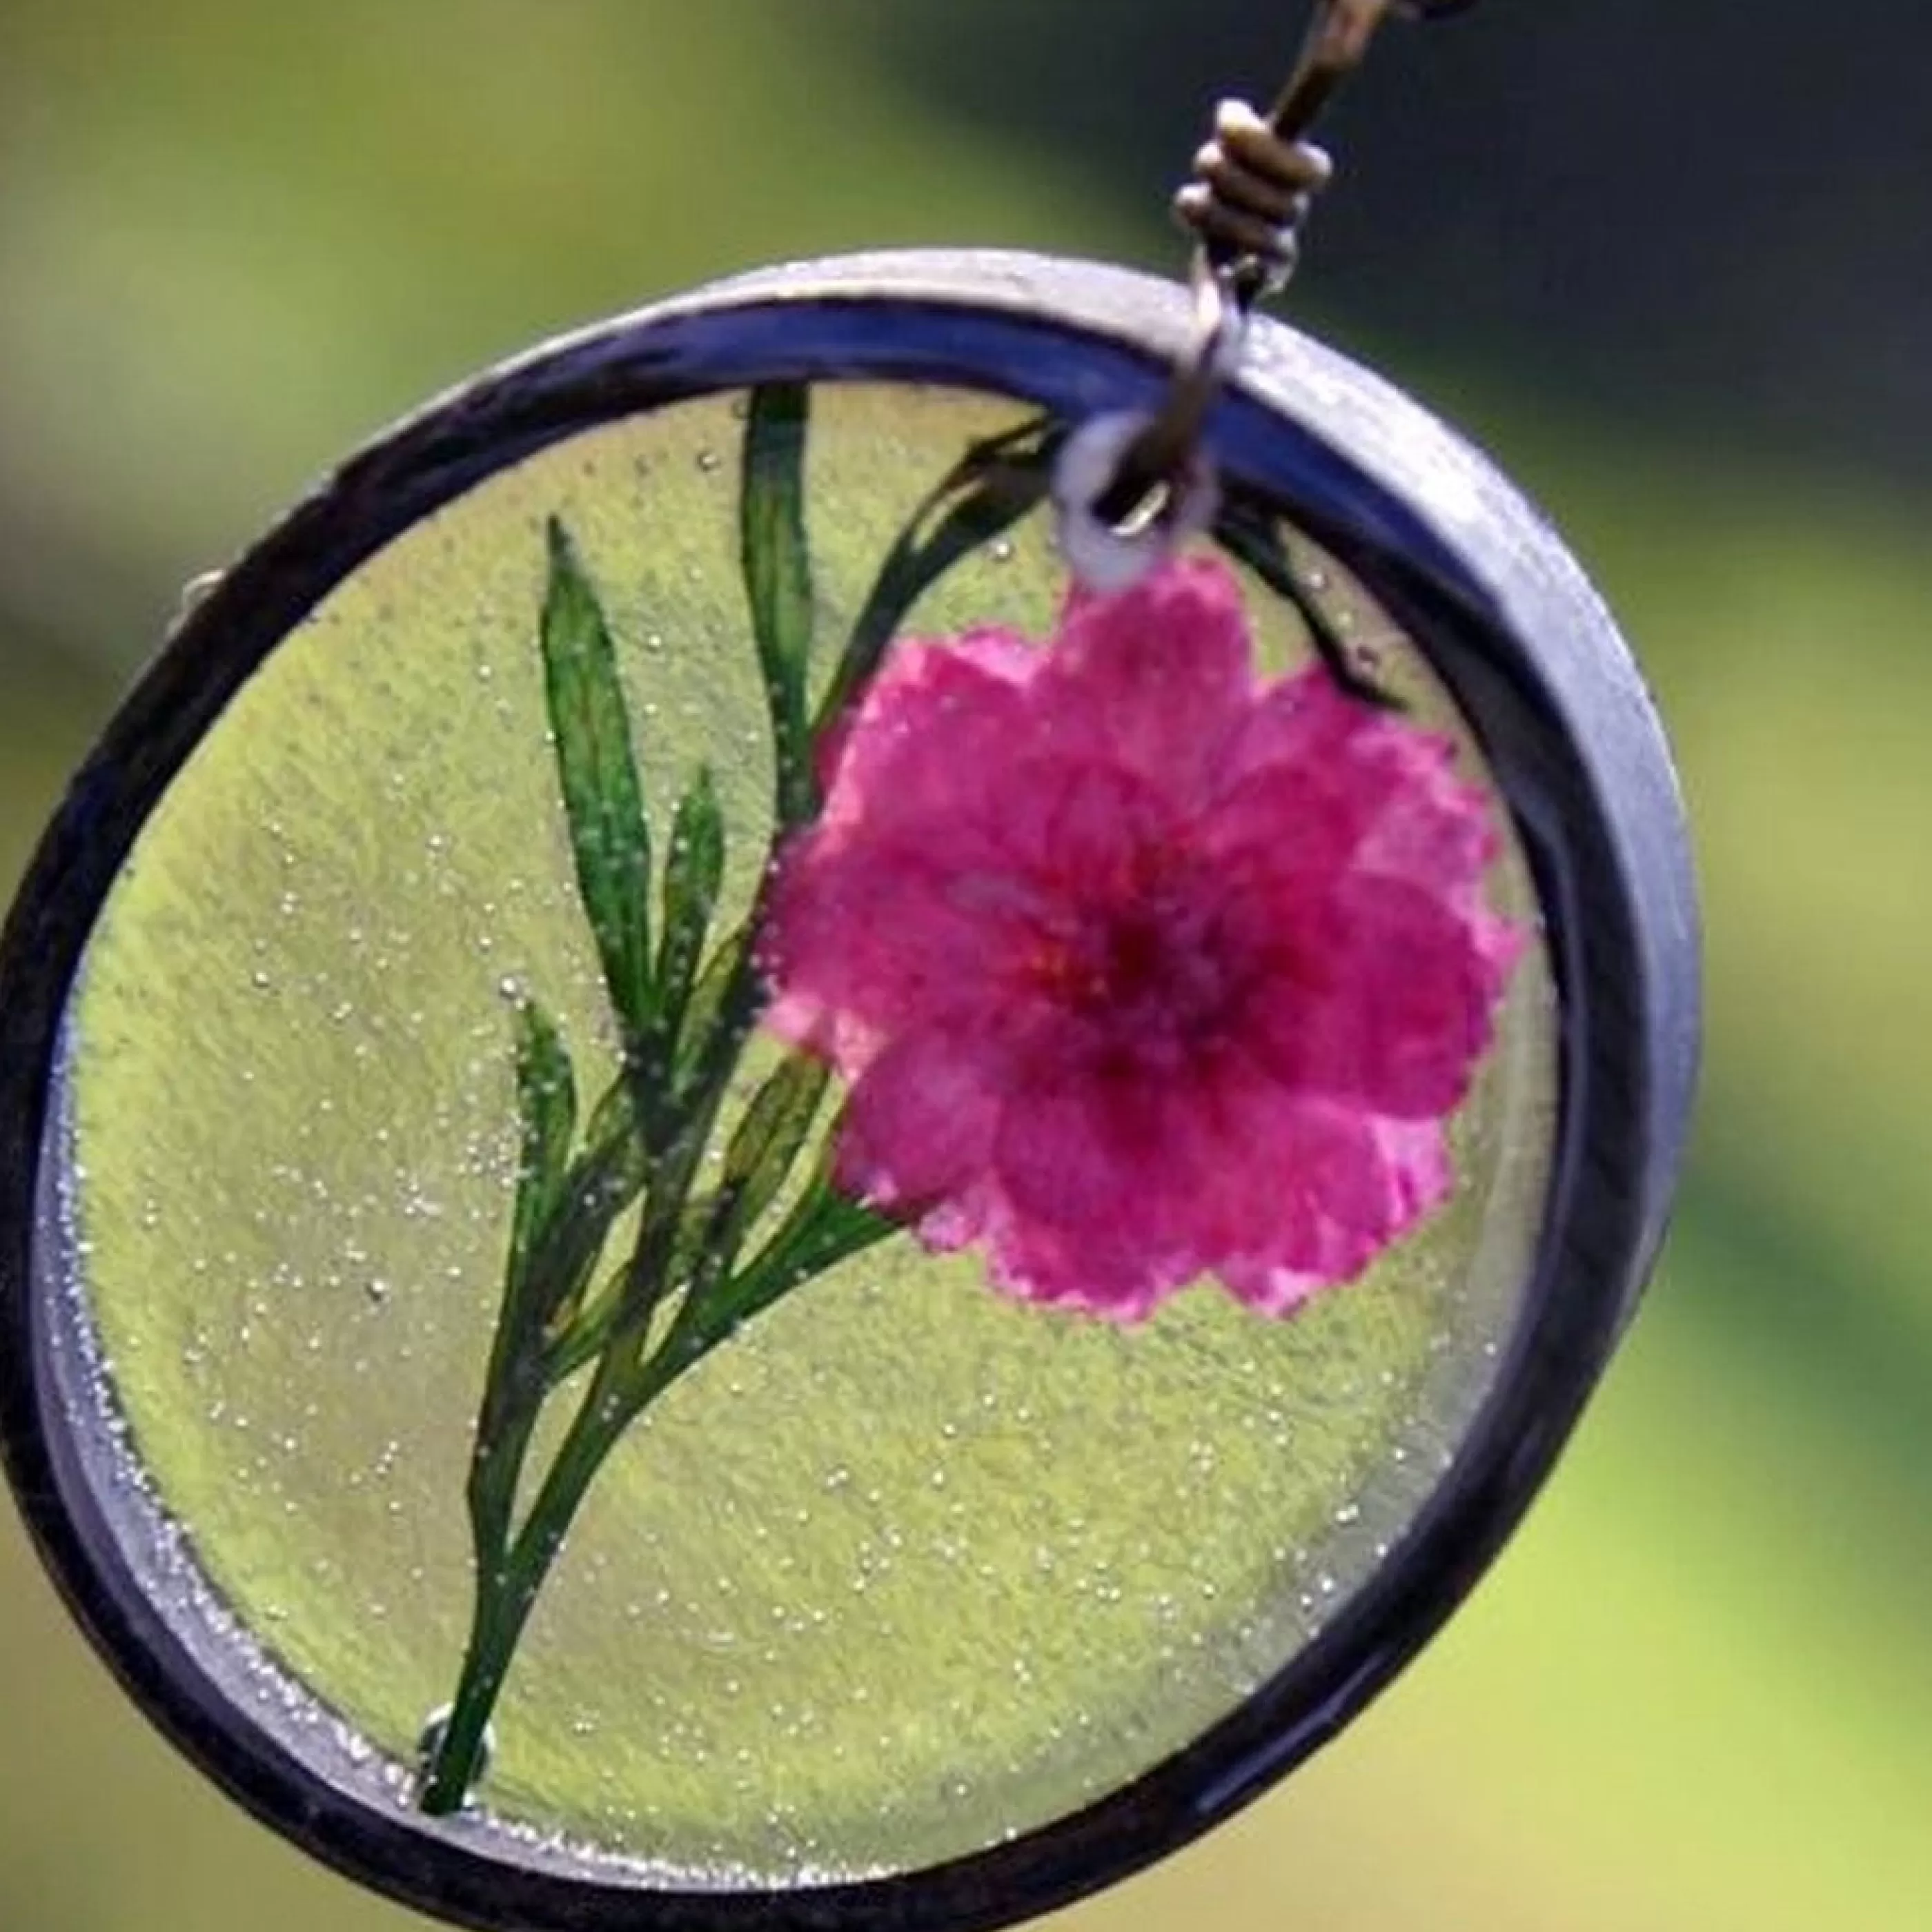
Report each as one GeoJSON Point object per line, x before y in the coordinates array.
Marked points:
{"type": "Point", "coordinates": [1249, 197]}
{"type": "Point", "coordinates": [1252, 185]}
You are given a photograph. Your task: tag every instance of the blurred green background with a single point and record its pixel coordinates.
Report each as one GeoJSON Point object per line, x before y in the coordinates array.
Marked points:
{"type": "Point", "coordinates": [1666, 262]}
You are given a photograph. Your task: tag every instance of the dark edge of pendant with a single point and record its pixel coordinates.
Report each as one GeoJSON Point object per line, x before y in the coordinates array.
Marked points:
{"type": "Point", "coordinates": [1487, 592]}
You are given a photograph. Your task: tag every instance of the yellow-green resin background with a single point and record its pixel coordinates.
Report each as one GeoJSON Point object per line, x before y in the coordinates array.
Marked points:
{"type": "Point", "coordinates": [905, 1569]}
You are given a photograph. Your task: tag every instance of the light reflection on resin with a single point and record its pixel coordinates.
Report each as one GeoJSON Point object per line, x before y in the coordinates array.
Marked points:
{"type": "Point", "coordinates": [906, 1568]}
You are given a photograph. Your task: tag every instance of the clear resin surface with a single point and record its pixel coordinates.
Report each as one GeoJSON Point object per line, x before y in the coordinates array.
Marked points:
{"type": "Point", "coordinates": [906, 1566]}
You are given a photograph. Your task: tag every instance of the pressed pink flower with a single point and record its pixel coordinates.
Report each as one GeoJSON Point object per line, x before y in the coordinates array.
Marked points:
{"type": "Point", "coordinates": [1141, 968]}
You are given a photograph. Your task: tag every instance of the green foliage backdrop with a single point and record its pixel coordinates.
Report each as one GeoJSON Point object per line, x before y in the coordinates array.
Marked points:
{"type": "Point", "coordinates": [1695, 1694]}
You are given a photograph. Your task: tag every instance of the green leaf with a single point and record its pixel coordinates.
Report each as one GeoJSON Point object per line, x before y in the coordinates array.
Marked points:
{"type": "Point", "coordinates": [767, 1140]}
{"type": "Point", "coordinates": [697, 1045]}
{"type": "Point", "coordinates": [777, 563]}
{"type": "Point", "coordinates": [546, 1106]}
{"type": "Point", "coordinates": [693, 871]}
{"type": "Point", "coordinates": [828, 1227]}
{"type": "Point", "coordinates": [513, 1384]}
{"type": "Point", "coordinates": [571, 1343]}
{"type": "Point", "coordinates": [613, 1122]}
{"type": "Point", "coordinates": [578, 1335]}
{"type": "Point", "coordinates": [1251, 534]}
{"type": "Point", "coordinates": [597, 771]}
{"type": "Point", "coordinates": [1003, 479]}
{"type": "Point", "coordinates": [601, 1184]}
{"type": "Point", "coordinates": [824, 1228]}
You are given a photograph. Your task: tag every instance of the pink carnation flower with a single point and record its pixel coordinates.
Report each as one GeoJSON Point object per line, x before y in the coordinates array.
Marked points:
{"type": "Point", "coordinates": [1141, 968]}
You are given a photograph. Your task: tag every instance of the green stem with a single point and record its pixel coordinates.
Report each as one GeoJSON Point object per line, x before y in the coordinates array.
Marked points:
{"type": "Point", "coordinates": [674, 1086]}
{"type": "Point", "coordinates": [507, 1591]}
{"type": "Point", "coordinates": [509, 1581]}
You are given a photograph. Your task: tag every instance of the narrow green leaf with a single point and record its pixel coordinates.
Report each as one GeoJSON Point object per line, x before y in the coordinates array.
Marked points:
{"type": "Point", "coordinates": [1002, 480]}
{"type": "Point", "coordinates": [547, 1107]}
{"type": "Point", "coordinates": [829, 1227]}
{"type": "Point", "coordinates": [777, 562]}
{"type": "Point", "coordinates": [578, 1336]}
{"type": "Point", "coordinates": [840, 1229]}
{"type": "Point", "coordinates": [601, 1184]}
{"type": "Point", "coordinates": [693, 871]}
{"type": "Point", "coordinates": [697, 1043]}
{"type": "Point", "coordinates": [1251, 534]}
{"type": "Point", "coordinates": [597, 771]}
{"type": "Point", "coordinates": [570, 1344]}
{"type": "Point", "coordinates": [758, 1161]}
{"type": "Point", "coordinates": [614, 1121]}
{"type": "Point", "coordinates": [513, 1384]}
{"type": "Point", "coordinates": [766, 1142]}
{"type": "Point", "coordinates": [1027, 445]}
{"type": "Point", "coordinates": [824, 1228]}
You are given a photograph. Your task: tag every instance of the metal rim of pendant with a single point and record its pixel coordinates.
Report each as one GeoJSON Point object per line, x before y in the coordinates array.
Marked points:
{"type": "Point", "coordinates": [1507, 619]}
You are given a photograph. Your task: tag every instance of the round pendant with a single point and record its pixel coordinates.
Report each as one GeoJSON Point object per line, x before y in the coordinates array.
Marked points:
{"type": "Point", "coordinates": [713, 1209]}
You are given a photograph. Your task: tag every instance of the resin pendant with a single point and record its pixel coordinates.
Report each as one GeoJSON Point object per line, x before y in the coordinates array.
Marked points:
{"type": "Point", "coordinates": [946, 1603]}
{"type": "Point", "coordinates": [823, 1112]}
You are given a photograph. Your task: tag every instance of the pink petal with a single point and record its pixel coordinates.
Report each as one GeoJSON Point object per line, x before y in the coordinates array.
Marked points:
{"type": "Point", "coordinates": [1083, 1190]}
{"type": "Point", "coordinates": [1347, 1186]}
{"type": "Point", "coordinates": [1360, 759]}
{"type": "Point", "coordinates": [1430, 980]}
{"type": "Point", "coordinates": [1083, 830]}
{"type": "Point", "coordinates": [926, 746]}
{"type": "Point", "coordinates": [1436, 831]}
{"type": "Point", "coordinates": [860, 939]}
{"type": "Point", "coordinates": [1064, 1156]}
{"type": "Point", "coordinates": [1301, 721]}
{"type": "Point", "coordinates": [1389, 1005]}
{"type": "Point", "coordinates": [1284, 824]}
{"type": "Point", "coordinates": [1337, 780]}
{"type": "Point", "coordinates": [1415, 1158]}
{"type": "Point", "coordinates": [1156, 677]}
{"type": "Point", "coordinates": [1140, 972]}
{"type": "Point", "coordinates": [921, 1120]}
{"type": "Point", "coordinates": [1237, 1153]}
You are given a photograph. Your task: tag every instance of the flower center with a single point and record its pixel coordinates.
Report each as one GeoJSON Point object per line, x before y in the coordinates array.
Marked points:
{"type": "Point", "coordinates": [1146, 978]}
